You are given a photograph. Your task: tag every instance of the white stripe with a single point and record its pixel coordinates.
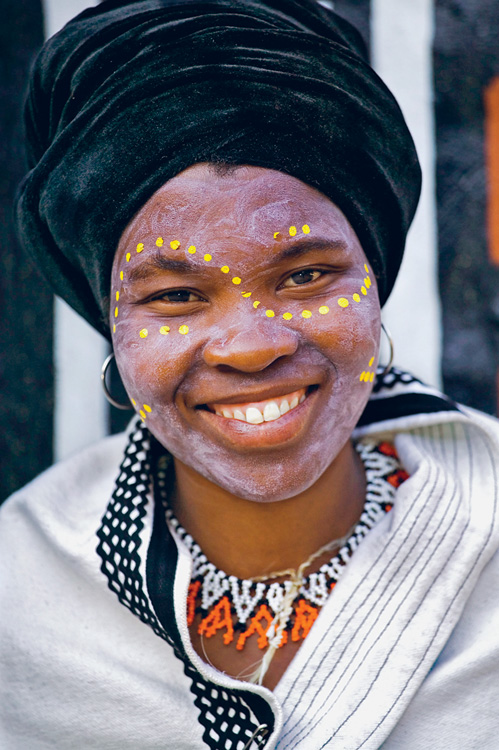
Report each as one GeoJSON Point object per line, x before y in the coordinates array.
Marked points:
{"type": "Point", "coordinates": [80, 414]}
{"type": "Point", "coordinates": [401, 43]}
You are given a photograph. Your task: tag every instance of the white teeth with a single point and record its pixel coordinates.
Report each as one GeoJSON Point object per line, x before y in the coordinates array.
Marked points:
{"type": "Point", "coordinates": [227, 413]}
{"type": "Point", "coordinates": [218, 413]}
{"type": "Point", "coordinates": [284, 407]}
{"type": "Point", "coordinates": [254, 415]}
{"type": "Point", "coordinates": [238, 414]}
{"type": "Point", "coordinates": [271, 412]}
{"type": "Point", "coordinates": [302, 399]}
{"type": "Point", "coordinates": [294, 402]}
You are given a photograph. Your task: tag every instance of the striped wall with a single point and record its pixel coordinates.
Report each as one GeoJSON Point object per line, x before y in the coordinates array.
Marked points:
{"type": "Point", "coordinates": [445, 306]}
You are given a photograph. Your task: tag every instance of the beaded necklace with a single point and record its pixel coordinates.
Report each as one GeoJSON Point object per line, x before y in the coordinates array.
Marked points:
{"type": "Point", "coordinates": [276, 612]}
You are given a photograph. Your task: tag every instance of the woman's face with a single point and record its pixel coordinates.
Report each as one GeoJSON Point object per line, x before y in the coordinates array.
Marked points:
{"type": "Point", "coordinates": [246, 327]}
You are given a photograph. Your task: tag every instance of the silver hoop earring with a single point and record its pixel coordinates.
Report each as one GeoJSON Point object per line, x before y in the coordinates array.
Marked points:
{"type": "Point", "coordinates": [388, 367]}
{"type": "Point", "coordinates": [107, 394]}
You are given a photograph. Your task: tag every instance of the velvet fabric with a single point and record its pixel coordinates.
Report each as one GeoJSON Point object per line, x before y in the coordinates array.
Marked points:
{"type": "Point", "coordinates": [129, 94]}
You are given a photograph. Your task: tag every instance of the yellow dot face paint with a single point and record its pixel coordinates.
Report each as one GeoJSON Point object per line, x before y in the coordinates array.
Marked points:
{"type": "Point", "coordinates": [159, 242]}
{"type": "Point", "coordinates": [269, 313]}
{"type": "Point", "coordinates": [133, 402]}
{"type": "Point", "coordinates": [115, 312]}
{"type": "Point", "coordinates": [236, 280]}
{"type": "Point", "coordinates": [142, 414]}
{"type": "Point", "coordinates": [117, 296]}
{"type": "Point", "coordinates": [191, 249]}
{"type": "Point", "coordinates": [306, 314]}
{"type": "Point", "coordinates": [343, 302]}
{"type": "Point", "coordinates": [114, 328]}
{"type": "Point", "coordinates": [207, 257]}
{"type": "Point", "coordinates": [305, 229]}
{"type": "Point", "coordinates": [143, 333]}
{"type": "Point", "coordinates": [225, 269]}
{"type": "Point", "coordinates": [292, 231]}
{"type": "Point", "coordinates": [323, 309]}
{"type": "Point", "coordinates": [164, 330]}
{"type": "Point", "coordinates": [121, 275]}
{"type": "Point", "coordinates": [371, 377]}
{"type": "Point", "coordinates": [246, 294]}
{"type": "Point", "coordinates": [183, 329]}
{"type": "Point", "coordinates": [256, 303]}
{"type": "Point", "coordinates": [363, 290]}
{"type": "Point", "coordinates": [287, 316]}
{"type": "Point", "coordinates": [128, 256]}
{"type": "Point", "coordinates": [356, 297]}
{"type": "Point", "coordinates": [147, 408]}
{"type": "Point", "coordinates": [174, 244]}
{"type": "Point", "coordinates": [140, 247]}
{"type": "Point", "coordinates": [371, 362]}
{"type": "Point", "coordinates": [276, 235]}
{"type": "Point", "coordinates": [367, 282]}
{"type": "Point", "coordinates": [366, 267]}
{"type": "Point", "coordinates": [362, 376]}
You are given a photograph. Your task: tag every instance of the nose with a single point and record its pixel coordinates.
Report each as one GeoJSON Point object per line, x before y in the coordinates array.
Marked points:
{"type": "Point", "coordinates": [250, 349]}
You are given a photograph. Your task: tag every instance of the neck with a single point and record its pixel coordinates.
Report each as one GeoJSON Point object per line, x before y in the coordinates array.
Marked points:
{"type": "Point", "coordinates": [249, 539]}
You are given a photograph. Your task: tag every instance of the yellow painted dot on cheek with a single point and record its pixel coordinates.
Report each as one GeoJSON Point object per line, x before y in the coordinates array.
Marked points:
{"type": "Point", "coordinates": [356, 297]}
{"type": "Point", "coordinates": [140, 247]}
{"type": "Point", "coordinates": [324, 309]}
{"type": "Point", "coordinates": [371, 362]}
{"type": "Point", "coordinates": [159, 241]}
{"type": "Point", "coordinates": [276, 235]}
{"type": "Point", "coordinates": [114, 328]}
{"type": "Point", "coordinates": [133, 402]}
{"type": "Point", "coordinates": [115, 312]}
{"type": "Point", "coordinates": [143, 333]}
{"type": "Point", "coordinates": [117, 296]}
{"type": "Point", "coordinates": [225, 269]}
{"type": "Point", "coordinates": [207, 257]}
{"type": "Point", "coordinates": [306, 314]}
{"type": "Point", "coordinates": [305, 229]}
{"type": "Point", "coordinates": [367, 282]}
{"type": "Point", "coordinates": [371, 378]}
{"type": "Point", "coordinates": [183, 329]}
{"type": "Point", "coordinates": [256, 303]}
{"type": "Point", "coordinates": [246, 294]}
{"type": "Point", "coordinates": [269, 313]}
{"type": "Point", "coordinates": [128, 256]}
{"type": "Point", "coordinates": [121, 275]}
{"type": "Point", "coordinates": [362, 376]}
{"type": "Point", "coordinates": [366, 267]}
{"type": "Point", "coordinates": [292, 231]}
{"type": "Point", "coordinates": [236, 280]}
{"type": "Point", "coordinates": [142, 414]}
{"type": "Point", "coordinates": [147, 408]}
{"type": "Point", "coordinates": [174, 244]}
{"type": "Point", "coordinates": [164, 330]}
{"type": "Point", "coordinates": [363, 290]}
{"type": "Point", "coordinates": [287, 316]}
{"type": "Point", "coordinates": [343, 302]}
{"type": "Point", "coordinates": [191, 249]}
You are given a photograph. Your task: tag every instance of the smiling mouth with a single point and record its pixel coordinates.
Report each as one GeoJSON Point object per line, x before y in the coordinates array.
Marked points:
{"type": "Point", "coordinates": [257, 412]}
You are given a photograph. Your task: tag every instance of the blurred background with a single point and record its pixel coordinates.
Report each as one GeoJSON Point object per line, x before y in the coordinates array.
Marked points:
{"type": "Point", "coordinates": [441, 60]}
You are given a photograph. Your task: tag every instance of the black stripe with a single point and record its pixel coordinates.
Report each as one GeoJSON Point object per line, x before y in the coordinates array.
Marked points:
{"type": "Point", "coordinates": [404, 405]}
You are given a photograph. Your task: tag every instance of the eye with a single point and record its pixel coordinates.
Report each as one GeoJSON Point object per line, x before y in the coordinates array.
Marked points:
{"type": "Point", "coordinates": [179, 295]}
{"type": "Point", "coordinates": [302, 277]}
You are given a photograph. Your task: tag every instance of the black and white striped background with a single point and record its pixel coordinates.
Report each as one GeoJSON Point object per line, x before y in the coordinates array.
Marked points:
{"type": "Point", "coordinates": [441, 59]}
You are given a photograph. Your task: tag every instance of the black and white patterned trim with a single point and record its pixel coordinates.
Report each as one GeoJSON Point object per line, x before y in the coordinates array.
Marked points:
{"type": "Point", "coordinates": [231, 719]}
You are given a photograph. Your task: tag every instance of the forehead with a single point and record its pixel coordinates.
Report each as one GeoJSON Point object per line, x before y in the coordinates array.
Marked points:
{"type": "Point", "coordinates": [206, 203]}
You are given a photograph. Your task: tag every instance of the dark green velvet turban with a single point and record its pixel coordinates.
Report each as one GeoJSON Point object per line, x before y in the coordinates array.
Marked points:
{"type": "Point", "coordinates": [129, 94]}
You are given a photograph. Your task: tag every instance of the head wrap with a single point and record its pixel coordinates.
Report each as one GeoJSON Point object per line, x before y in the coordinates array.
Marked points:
{"type": "Point", "coordinates": [129, 94]}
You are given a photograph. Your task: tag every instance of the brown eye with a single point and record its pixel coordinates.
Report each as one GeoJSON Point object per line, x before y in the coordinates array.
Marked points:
{"type": "Point", "coordinates": [302, 277]}
{"type": "Point", "coordinates": [180, 295]}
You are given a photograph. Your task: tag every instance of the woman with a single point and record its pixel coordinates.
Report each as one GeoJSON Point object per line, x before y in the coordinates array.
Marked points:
{"type": "Point", "coordinates": [306, 553]}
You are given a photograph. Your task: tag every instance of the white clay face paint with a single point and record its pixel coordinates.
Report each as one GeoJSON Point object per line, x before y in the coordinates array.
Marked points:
{"type": "Point", "coordinates": [271, 294]}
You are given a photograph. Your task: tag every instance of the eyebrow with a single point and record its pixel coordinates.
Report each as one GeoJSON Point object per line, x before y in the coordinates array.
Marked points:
{"type": "Point", "coordinates": [155, 263]}
{"type": "Point", "coordinates": [304, 246]}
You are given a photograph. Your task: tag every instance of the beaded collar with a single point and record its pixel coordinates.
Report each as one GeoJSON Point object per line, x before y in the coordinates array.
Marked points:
{"type": "Point", "coordinates": [278, 611]}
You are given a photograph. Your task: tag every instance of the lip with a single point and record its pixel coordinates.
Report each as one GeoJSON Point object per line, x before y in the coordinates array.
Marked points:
{"type": "Point", "coordinates": [275, 390]}
{"type": "Point", "coordinates": [267, 435]}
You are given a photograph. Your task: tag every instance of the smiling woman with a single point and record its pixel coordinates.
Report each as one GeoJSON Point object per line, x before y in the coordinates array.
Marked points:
{"type": "Point", "coordinates": [291, 546]}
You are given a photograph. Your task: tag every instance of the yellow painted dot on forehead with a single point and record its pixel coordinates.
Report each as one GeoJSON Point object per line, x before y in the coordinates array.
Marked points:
{"type": "Point", "coordinates": [367, 282]}
{"type": "Point", "coordinates": [121, 275]}
{"type": "Point", "coordinates": [363, 290]}
{"type": "Point", "coordinates": [343, 302]}
{"type": "Point", "coordinates": [147, 408]}
{"type": "Point", "coordinates": [356, 297]}
{"type": "Point", "coordinates": [140, 247]}
{"type": "Point", "coordinates": [236, 280]}
{"type": "Point", "coordinates": [366, 267]}
{"type": "Point", "coordinates": [115, 312]}
{"type": "Point", "coordinates": [142, 414]}
{"type": "Point", "coordinates": [183, 329]}
{"type": "Point", "coordinates": [256, 303]}
{"type": "Point", "coordinates": [117, 296]}
{"type": "Point", "coordinates": [287, 316]}
{"type": "Point", "coordinates": [207, 257]}
{"type": "Point", "coordinates": [159, 241]}
{"type": "Point", "coordinates": [292, 231]}
{"type": "Point", "coordinates": [143, 333]}
{"type": "Point", "coordinates": [174, 244]}
{"type": "Point", "coordinates": [114, 328]}
{"type": "Point", "coordinates": [164, 330]}
{"type": "Point", "coordinates": [323, 309]}
{"type": "Point", "coordinates": [305, 229]}
{"type": "Point", "coordinates": [225, 269]}
{"type": "Point", "coordinates": [269, 313]}
{"type": "Point", "coordinates": [191, 249]}
{"type": "Point", "coordinates": [128, 256]}
{"type": "Point", "coordinates": [306, 314]}
{"type": "Point", "coordinates": [246, 294]}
